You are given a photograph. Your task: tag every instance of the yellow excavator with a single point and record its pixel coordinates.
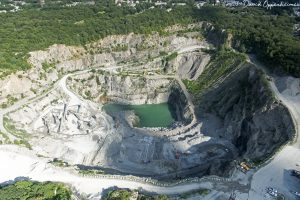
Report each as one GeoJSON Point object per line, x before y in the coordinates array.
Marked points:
{"type": "Point", "coordinates": [245, 166]}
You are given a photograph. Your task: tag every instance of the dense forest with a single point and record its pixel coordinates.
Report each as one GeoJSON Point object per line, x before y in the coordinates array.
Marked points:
{"type": "Point", "coordinates": [30, 30]}
{"type": "Point", "coordinates": [269, 34]}
{"type": "Point", "coordinates": [35, 190]}
{"type": "Point", "coordinates": [122, 194]}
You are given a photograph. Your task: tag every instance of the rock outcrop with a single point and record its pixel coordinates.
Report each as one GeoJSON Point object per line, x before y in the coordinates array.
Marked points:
{"type": "Point", "coordinates": [122, 89]}
{"type": "Point", "coordinates": [111, 49]}
{"type": "Point", "coordinates": [178, 105]}
{"type": "Point", "coordinates": [191, 65]}
{"type": "Point", "coordinates": [133, 90]}
{"type": "Point", "coordinates": [251, 118]}
{"type": "Point", "coordinates": [215, 36]}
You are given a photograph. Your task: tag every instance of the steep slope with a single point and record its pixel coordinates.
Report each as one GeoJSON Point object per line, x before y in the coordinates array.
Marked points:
{"type": "Point", "coordinates": [249, 115]}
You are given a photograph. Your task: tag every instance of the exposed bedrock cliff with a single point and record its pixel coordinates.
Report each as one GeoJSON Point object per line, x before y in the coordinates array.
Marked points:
{"type": "Point", "coordinates": [48, 65]}
{"type": "Point", "coordinates": [122, 89]}
{"type": "Point", "coordinates": [110, 50]}
{"type": "Point", "coordinates": [178, 105]}
{"type": "Point", "coordinates": [189, 65]}
{"type": "Point", "coordinates": [214, 35]}
{"type": "Point", "coordinates": [133, 90]}
{"type": "Point", "coordinates": [250, 117]}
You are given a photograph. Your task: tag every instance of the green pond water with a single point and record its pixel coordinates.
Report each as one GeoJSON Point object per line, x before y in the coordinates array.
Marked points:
{"type": "Point", "coordinates": [151, 115]}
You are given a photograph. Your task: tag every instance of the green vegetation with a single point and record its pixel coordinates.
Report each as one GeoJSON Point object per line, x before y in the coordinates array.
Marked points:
{"type": "Point", "coordinates": [12, 129]}
{"type": "Point", "coordinates": [22, 142]}
{"type": "Point", "coordinates": [28, 190]}
{"type": "Point", "coordinates": [20, 134]}
{"type": "Point", "coordinates": [223, 62]}
{"type": "Point", "coordinates": [88, 94]}
{"type": "Point", "coordinates": [118, 195]}
{"type": "Point", "coordinates": [10, 101]}
{"type": "Point", "coordinates": [163, 53]}
{"type": "Point", "coordinates": [127, 194]}
{"type": "Point", "coordinates": [264, 79]}
{"type": "Point", "coordinates": [5, 137]}
{"type": "Point", "coordinates": [47, 66]}
{"type": "Point", "coordinates": [172, 56]}
{"type": "Point", "coordinates": [91, 172]}
{"type": "Point", "coordinates": [59, 163]}
{"type": "Point", "coordinates": [268, 34]}
{"type": "Point", "coordinates": [142, 47]}
{"type": "Point", "coordinates": [31, 30]}
{"type": "Point", "coordinates": [200, 192]}
{"type": "Point", "coordinates": [280, 197]}
{"type": "Point", "coordinates": [120, 47]}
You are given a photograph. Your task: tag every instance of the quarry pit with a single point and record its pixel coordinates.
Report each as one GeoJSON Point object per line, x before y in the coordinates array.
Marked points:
{"type": "Point", "coordinates": [138, 118]}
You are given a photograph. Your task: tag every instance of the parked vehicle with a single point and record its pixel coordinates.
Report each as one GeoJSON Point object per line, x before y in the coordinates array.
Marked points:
{"type": "Point", "coordinates": [271, 191]}
{"type": "Point", "coordinates": [295, 173]}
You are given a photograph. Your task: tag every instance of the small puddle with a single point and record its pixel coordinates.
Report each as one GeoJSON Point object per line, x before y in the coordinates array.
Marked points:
{"type": "Point", "coordinates": [150, 115]}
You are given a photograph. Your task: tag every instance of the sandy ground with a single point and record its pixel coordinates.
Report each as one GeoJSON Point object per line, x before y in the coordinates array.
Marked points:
{"type": "Point", "coordinates": [276, 174]}
{"type": "Point", "coordinates": [38, 169]}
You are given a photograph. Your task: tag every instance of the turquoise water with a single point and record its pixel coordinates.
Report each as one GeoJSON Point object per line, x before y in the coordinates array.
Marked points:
{"type": "Point", "coordinates": [151, 115]}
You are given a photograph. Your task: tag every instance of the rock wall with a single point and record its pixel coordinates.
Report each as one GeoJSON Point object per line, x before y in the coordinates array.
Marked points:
{"type": "Point", "coordinates": [215, 36]}
{"type": "Point", "coordinates": [133, 90]}
{"type": "Point", "coordinates": [110, 50]}
{"type": "Point", "coordinates": [122, 89]}
{"type": "Point", "coordinates": [251, 118]}
{"type": "Point", "coordinates": [190, 65]}
{"type": "Point", "coordinates": [51, 63]}
{"type": "Point", "coordinates": [178, 105]}
{"type": "Point", "coordinates": [136, 90]}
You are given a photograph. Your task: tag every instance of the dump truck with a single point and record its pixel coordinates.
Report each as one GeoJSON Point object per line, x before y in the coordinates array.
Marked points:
{"type": "Point", "coordinates": [245, 166]}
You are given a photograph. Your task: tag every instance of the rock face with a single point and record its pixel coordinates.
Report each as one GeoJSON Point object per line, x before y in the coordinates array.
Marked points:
{"type": "Point", "coordinates": [123, 89]}
{"type": "Point", "coordinates": [13, 85]}
{"type": "Point", "coordinates": [131, 118]}
{"type": "Point", "coordinates": [179, 106]}
{"type": "Point", "coordinates": [250, 117]}
{"type": "Point", "coordinates": [237, 117]}
{"type": "Point", "coordinates": [111, 50]}
{"type": "Point", "coordinates": [49, 64]}
{"type": "Point", "coordinates": [191, 65]}
{"type": "Point", "coordinates": [215, 36]}
{"type": "Point", "coordinates": [134, 90]}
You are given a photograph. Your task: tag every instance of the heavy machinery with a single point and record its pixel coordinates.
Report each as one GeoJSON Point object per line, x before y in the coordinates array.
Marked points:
{"type": "Point", "coordinates": [245, 166]}
{"type": "Point", "coordinates": [271, 191]}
